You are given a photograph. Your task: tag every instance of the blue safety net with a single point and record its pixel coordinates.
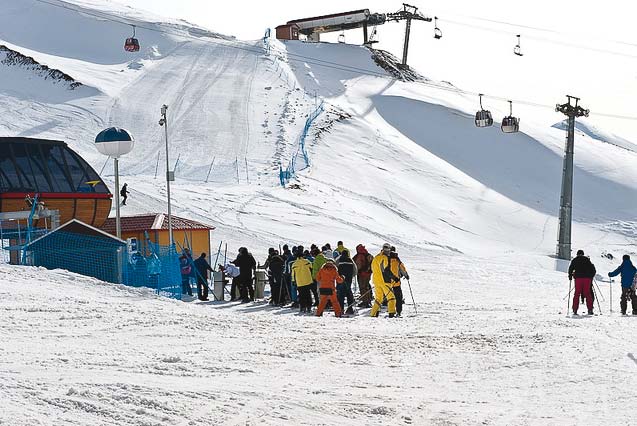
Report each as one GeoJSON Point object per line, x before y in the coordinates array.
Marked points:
{"type": "Point", "coordinates": [108, 259]}
{"type": "Point", "coordinates": [300, 160]}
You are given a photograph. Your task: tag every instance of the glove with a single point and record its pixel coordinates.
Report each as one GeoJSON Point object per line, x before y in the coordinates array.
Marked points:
{"type": "Point", "coordinates": [570, 278]}
{"type": "Point", "coordinates": [609, 274]}
{"type": "Point", "coordinates": [406, 275]}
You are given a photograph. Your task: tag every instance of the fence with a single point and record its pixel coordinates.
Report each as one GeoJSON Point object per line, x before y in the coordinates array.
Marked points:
{"type": "Point", "coordinates": [300, 159]}
{"type": "Point", "coordinates": [108, 259]}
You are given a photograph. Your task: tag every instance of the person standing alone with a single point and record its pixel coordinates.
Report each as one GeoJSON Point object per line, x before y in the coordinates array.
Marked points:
{"type": "Point", "coordinates": [124, 193]}
{"type": "Point", "coordinates": [583, 270]}
{"type": "Point", "coordinates": [627, 270]}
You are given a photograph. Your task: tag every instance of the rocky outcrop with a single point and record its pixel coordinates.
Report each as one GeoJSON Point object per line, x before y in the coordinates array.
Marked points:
{"type": "Point", "coordinates": [12, 58]}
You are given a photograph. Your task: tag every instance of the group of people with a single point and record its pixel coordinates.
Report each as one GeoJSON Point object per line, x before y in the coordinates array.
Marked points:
{"type": "Point", "coordinates": [583, 271]}
{"type": "Point", "coordinates": [307, 278]}
{"type": "Point", "coordinates": [324, 277]}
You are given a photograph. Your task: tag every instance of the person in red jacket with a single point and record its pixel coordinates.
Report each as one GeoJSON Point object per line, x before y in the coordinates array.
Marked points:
{"type": "Point", "coordinates": [327, 277]}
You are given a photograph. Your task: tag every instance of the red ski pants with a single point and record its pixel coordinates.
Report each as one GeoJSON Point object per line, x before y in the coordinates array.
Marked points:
{"type": "Point", "coordinates": [583, 286]}
{"type": "Point", "coordinates": [335, 305]}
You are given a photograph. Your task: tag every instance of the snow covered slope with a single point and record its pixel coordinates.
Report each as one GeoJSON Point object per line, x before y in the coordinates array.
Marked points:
{"type": "Point", "coordinates": [390, 160]}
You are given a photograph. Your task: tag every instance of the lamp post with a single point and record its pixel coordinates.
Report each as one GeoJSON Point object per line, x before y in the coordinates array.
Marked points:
{"type": "Point", "coordinates": [115, 142]}
{"type": "Point", "coordinates": [566, 198]}
{"type": "Point", "coordinates": [170, 175]}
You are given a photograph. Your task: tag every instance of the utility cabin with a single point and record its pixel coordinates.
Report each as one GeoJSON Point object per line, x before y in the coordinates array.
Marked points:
{"type": "Point", "coordinates": [153, 228]}
{"type": "Point", "coordinates": [287, 32]}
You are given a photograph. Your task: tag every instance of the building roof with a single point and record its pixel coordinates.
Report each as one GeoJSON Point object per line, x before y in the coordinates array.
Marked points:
{"type": "Point", "coordinates": [45, 166]}
{"type": "Point", "coordinates": [333, 15]}
{"type": "Point", "coordinates": [75, 226]}
{"type": "Point", "coordinates": [153, 222]}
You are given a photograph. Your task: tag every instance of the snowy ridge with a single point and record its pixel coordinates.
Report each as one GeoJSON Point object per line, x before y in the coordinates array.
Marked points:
{"type": "Point", "coordinates": [13, 58]}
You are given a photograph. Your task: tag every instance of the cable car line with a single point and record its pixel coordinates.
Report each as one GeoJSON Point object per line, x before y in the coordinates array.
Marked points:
{"type": "Point", "coordinates": [236, 44]}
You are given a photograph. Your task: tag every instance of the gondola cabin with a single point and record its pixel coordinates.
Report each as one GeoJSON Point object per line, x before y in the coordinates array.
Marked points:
{"type": "Point", "coordinates": [61, 179]}
{"type": "Point", "coordinates": [131, 44]}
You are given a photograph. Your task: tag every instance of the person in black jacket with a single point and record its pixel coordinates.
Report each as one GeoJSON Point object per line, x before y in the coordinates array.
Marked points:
{"type": "Point", "coordinates": [275, 265]}
{"type": "Point", "coordinates": [583, 271]}
{"type": "Point", "coordinates": [202, 266]}
{"type": "Point", "coordinates": [247, 265]}
{"type": "Point", "coordinates": [347, 269]}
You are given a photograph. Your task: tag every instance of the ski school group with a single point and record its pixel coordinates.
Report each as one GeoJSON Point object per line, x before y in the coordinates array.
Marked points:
{"type": "Point", "coordinates": [303, 279]}
{"type": "Point", "coordinates": [583, 270]}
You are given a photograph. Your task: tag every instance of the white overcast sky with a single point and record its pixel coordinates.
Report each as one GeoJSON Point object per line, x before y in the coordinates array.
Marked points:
{"type": "Point", "coordinates": [475, 59]}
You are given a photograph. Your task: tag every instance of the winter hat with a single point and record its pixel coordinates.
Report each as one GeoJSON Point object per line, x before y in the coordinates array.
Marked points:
{"type": "Point", "coordinates": [626, 257]}
{"type": "Point", "coordinates": [580, 252]}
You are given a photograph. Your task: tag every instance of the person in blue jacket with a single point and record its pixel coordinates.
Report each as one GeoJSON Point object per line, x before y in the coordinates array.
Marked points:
{"type": "Point", "coordinates": [627, 271]}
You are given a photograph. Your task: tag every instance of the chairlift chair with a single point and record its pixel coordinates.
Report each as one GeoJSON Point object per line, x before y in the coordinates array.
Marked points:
{"type": "Point", "coordinates": [483, 117]}
{"type": "Point", "coordinates": [510, 124]}
{"type": "Point", "coordinates": [517, 49]}
{"type": "Point", "coordinates": [437, 32]}
{"type": "Point", "coordinates": [131, 44]}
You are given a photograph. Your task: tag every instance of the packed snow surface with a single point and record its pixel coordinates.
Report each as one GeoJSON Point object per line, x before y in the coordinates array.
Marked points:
{"type": "Point", "coordinates": [489, 345]}
{"type": "Point", "coordinates": [471, 211]}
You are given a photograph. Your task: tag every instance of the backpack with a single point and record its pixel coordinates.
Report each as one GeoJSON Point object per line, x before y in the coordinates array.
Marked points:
{"type": "Point", "coordinates": [365, 264]}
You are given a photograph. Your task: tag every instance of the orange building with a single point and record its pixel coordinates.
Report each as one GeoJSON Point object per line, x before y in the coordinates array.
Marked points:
{"type": "Point", "coordinates": [186, 233]}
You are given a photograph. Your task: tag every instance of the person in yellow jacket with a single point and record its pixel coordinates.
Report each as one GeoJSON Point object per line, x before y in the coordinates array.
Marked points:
{"type": "Point", "coordinates": [302, 275]}
{"type": "Point", "coordinates": [398, 270]}
{"type": "Point", "coordinates": [383, 282]}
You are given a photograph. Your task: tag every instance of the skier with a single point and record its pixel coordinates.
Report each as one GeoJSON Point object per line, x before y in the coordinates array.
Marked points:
{"type": "Point", "coordinates": [326, 277]}
{"type": "Point", "coordinates": [381, 274]}
{"type": "Point", "coordinates": [363, 261]}
{"type": "Point", "coordinates": [275, 265]}
{"type": "Point", "coordinates": [583, 271]}
{"type": "Point", "coordinates": [398, 270]}
{"type": "Point", "coordinates": [124, 193]}
{"type": "Point", "coordinates": [302, 276]}
{"type": "Point", "coordinates": [233, 272]}
{"type": "Point", "coordinates": [627, 271]}
{"type": "Point", "coordinates": [185, 261]}
{"type": "Point", "coordinates": [292, 290]}
{"type": "Point", "coordinates": [339, 249]}
{"type": "Point", "coordinates": [314, 287]}
{"type": "Point", "coordinates": [202, 266]}
{"type": "Point", "coordinates": [347, 269]}
{"type": "Point", "coordinates": [247, 265]}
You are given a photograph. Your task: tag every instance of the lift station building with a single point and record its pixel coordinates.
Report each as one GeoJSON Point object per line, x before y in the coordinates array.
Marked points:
{"type": "Point", "coordinates": [313, 27]}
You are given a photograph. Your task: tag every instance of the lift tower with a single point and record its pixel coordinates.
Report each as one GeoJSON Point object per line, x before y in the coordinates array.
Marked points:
{"type": "Point", "coordinates": [566, 199]}
{"type": "Point", "coordinates": [408, 13]}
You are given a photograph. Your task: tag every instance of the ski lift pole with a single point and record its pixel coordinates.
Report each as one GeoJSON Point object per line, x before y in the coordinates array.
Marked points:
{"type": "Point", "coordinates": [157, 165]}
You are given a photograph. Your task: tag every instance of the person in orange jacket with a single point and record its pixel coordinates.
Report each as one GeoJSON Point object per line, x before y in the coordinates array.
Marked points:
{"type": "Point", "coordinates": [327, 278]}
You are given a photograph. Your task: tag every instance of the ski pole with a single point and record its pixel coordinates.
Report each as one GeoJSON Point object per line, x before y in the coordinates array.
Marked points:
{"type": "Point", "coordinates": [597, 299]}
{"type": "Point", "coordinates": [570, 283]}
{"type": "Point", "coordinates": [611, 295]}
{"type": "Point", "coordinates": [412, 296]}
{"type": "Point", "coordinates": [599, 292]}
